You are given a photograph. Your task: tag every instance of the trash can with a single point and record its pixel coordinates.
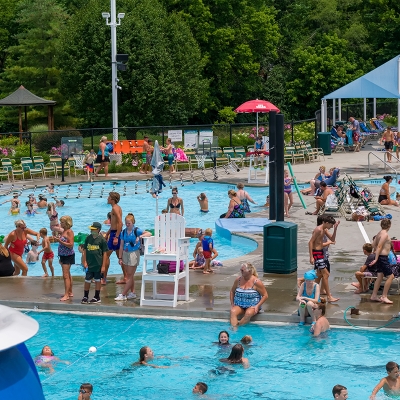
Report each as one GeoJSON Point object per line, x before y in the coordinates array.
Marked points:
{"type": "Point", "coordinates": [324, 142]}
{"type": "Point", "coordinates": [280, 248]}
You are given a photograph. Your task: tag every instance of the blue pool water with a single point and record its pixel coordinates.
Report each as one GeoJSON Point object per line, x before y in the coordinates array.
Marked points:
{"type": "Point", "coordinates": [85, 210]}
{"type": "Point", "coordinates": [285, 363]}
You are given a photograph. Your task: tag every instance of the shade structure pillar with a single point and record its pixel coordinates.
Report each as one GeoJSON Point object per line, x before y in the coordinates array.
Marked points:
{"type": "Point", "coordinates": [365, 109]}
{"type": "Point", "coordinates": [398, 113]}
{"type": "Point", "coordinates": [334, 112]}
{"type": "Point", "coordinates": [326, 115]}
{"type": "Point", "coordinates": [340, 109]}
{"type": "Point", "coordinates": [272, 165]}
{"type": "Point", "coordinates": [279, 165]}
{"type": "Point", "coordinates": [374, 116]}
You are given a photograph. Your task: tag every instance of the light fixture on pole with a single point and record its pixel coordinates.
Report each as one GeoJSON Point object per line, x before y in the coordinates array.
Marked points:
{"type": "Point", "coordinates": [112, 23]}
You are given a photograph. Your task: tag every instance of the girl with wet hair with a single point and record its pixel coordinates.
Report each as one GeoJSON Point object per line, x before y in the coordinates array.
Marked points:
{"type": "Point", "coordinates": [236, 356]}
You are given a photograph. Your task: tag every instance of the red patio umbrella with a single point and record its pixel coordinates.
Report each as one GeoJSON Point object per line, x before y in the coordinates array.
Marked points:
{"type": "Point", "coordinates": [257, 106]}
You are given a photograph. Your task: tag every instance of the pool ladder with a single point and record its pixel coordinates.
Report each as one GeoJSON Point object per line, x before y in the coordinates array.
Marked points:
{"type": "Point", "coordinates": [384, 163]}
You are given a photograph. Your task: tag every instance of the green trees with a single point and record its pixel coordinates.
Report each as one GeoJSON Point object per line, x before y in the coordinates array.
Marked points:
{"type": "Point", "coordinates": [234, 37]}
{"type": "Point", "coordinates": [31, 61]}
{"type": "Point", "coordinates": [163, 83]}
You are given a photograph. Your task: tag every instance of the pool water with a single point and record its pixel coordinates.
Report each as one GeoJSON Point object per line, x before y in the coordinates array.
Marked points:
{"type": "Point", "coordinates": [286, 362]}
{"type": "Point", "coordinates": [84, 211]}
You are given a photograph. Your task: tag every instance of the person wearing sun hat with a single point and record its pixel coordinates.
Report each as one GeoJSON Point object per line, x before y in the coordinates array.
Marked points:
{"type": "Point", "coordinates": [94, 258]}
{"type": "Point", "coordinates": [307, 296]}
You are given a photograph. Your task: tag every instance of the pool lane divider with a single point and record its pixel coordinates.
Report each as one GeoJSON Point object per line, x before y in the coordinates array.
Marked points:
{"type": "Point", "coordinates": [296, 186]}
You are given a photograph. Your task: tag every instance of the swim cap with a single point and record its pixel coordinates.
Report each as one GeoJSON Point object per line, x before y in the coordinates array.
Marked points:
{"type": "Point", "coordinates": [310, 275]}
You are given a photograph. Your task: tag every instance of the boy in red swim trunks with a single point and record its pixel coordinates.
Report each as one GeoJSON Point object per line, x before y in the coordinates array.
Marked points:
{"type": "Point", "coordinates": [48, 254]}
{"type": "Point", "coordinates": [208, 250]}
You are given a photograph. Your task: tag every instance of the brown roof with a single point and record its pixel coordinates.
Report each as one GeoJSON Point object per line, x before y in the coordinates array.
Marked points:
{"type": "Point", "coordinates": [23, 97]}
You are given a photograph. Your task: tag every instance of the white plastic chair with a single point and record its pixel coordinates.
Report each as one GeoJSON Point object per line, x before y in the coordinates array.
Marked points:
{"type": "Point", "coordinates": [169, 234]}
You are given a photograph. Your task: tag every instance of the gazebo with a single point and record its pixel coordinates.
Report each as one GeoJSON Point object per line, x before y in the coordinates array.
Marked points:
{"type": "Point", "coordinates": [382, 83]}
{"type": "Point", "coordinates": [23, 98]}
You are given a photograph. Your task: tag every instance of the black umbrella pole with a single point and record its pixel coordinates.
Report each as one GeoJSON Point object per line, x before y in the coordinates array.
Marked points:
{"type": "Point", "coordinates": [272, 165]}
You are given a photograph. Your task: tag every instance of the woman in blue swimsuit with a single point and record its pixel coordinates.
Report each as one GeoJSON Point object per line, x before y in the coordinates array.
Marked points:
{"type": "Point", "coordinates": [247, 295]}
{"type": "Point", "coordinates": [308, 296]}
{"type": "Point", "coordinates": [235, 208]}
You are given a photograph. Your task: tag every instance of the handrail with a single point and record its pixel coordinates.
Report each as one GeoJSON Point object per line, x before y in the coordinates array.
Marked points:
{"type": "Point", "coordinates": [384, 162]}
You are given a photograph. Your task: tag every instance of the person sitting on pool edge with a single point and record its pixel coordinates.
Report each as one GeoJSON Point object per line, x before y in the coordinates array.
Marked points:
{"type": "Point", "coordinates": [200, 388]}
{"type": "Point", "coordinates": [308, 296]}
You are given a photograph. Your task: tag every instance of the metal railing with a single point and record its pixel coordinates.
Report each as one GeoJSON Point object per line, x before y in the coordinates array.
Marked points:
{"type": "Point", "coordinates": [384, 163]}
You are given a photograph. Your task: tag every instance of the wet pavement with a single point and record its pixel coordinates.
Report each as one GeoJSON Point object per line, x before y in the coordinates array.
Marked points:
{"type": "Point", "coordinates": [209, 294]}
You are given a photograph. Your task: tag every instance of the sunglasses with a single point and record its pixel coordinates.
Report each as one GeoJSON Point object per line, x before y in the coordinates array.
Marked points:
{"type": "Point", "coordinates": [174, 193]}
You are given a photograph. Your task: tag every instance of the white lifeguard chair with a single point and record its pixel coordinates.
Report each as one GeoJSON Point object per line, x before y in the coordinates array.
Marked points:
{"type": "Point", "coordinates": [258, 175]}
{"type": "Point", "coordinates": [168, 244]}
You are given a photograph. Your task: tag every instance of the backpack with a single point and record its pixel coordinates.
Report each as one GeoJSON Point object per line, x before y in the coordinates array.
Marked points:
{"type": "Point", "coordinates": [141, 246]}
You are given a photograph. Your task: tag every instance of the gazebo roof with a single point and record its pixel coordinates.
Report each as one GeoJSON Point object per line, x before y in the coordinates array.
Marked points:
{"type": "Point", "coordinates": [23, 97]}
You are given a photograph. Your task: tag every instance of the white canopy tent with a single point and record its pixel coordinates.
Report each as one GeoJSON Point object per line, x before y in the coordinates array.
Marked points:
{"type": "Point", "coordinates": [382, 82]}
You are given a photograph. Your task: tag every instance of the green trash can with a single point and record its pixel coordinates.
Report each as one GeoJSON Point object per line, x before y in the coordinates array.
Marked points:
{"type": "Point", "coordinates": [324, 142]}
{"type": "Point", "coordinates": [280, 248]}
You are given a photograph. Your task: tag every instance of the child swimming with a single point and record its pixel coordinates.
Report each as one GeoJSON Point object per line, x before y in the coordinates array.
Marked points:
{"type": "Point", "coordinates": [47, 359]}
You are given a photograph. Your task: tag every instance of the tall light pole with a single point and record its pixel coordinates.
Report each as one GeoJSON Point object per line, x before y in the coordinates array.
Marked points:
{"type": "Point", "coordinates": [111, 21]}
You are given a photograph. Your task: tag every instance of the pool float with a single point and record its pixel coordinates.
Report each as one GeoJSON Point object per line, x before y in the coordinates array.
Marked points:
{"type": "Point", "coordinates": [296, 186]}
{"type": "Point", "coordinates": [1, 238]}
{"type": "Point", "coordinates": [19, 378]}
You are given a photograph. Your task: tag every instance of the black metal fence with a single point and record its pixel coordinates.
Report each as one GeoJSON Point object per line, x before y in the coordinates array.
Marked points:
{"type": "Point", "coordinates": [15, 145]}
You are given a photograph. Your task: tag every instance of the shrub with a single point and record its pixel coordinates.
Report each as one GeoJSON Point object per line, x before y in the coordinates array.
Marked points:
{"type": "Point", "coordinates": [46, 140]}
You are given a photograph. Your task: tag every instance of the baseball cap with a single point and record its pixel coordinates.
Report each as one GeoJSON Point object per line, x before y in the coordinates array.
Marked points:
{"type": "Point", "coordinates": [95, 225]}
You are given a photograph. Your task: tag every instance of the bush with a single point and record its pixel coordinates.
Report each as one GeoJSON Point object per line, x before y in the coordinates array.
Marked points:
{"type": "Point", "coordinates": [304, 132]}
{"type": "Point", "coordinates": [46, 140]}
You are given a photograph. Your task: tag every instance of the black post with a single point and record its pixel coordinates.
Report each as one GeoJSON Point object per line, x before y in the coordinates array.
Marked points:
{"type": "Point", "coordinates": [279, 167]}
{"type": "Point", "coordinates": [30, 144]}
{"type": "Point", "coordinates": [230, 135]}
{"type": "Point", "coordinates": [272, 165]}
{"type": "Point", "coordinates": [292, 127]}
{"type": "Point", "coordinates": [62, 169]}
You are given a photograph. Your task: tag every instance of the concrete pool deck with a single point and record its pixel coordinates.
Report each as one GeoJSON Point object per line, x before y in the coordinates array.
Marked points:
{"type": "Point", "coordinates": [209, 294]}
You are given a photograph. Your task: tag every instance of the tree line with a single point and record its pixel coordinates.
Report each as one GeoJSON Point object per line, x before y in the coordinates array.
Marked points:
{"type": "Point", "coordinates": [190, 61]}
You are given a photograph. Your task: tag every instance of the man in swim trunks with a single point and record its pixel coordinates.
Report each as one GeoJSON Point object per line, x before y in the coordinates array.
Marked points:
{"type": "Point", "coordinates": [340, 392]}
{"type": "Point", "coordinates": [315, 248]}
{"type": "Point", "coordinates": [170, 155]}
{"type": "Point", "coordinates": [113, 234]}
{"type": "Point", "coordinates": [148, 149]}
{"type": "Point", "coordinates": [381, 245]}
{"type": "Point", "coordinates": [387, 139]}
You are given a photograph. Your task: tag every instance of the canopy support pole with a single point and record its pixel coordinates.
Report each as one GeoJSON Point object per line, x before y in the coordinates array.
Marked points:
{"type": "Point", "coordinates": [365, 109]}
{"type": "Point", "coordinates": [340, 109]}
{"type": "Point", "coordinates": [334, 112]}
{"type": "Point", "coordinates": [322, 116]}
{"type": "Point", "coordinates": [374, 116]}
{"type": "Point", "coordinates": [326, 115]}
{"type": "Point", "coordinates": [257, 124]}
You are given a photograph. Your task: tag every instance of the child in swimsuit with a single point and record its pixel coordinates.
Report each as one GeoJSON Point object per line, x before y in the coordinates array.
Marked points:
{"type": "Point", "coordinates": [48, 254]}
{"type": "Point", "coordinates": [287, 188]}
{"type": "Point", "coordinates": [46, 359]}
{"type": "Point", "coordinates": [15, 204]}
{"type": "Point", "coordinates": [199, 261]}
{"type": "Point", "coordinates": [89, 162]}
{"type": "Point", "coordinates": [55, 226]}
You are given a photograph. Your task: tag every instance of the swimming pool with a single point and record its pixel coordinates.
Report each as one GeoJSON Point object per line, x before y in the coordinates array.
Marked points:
{"type": "Point", "coordinates": [85, 210]}
{"type": "Point", "coordinates": [285, 363]}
